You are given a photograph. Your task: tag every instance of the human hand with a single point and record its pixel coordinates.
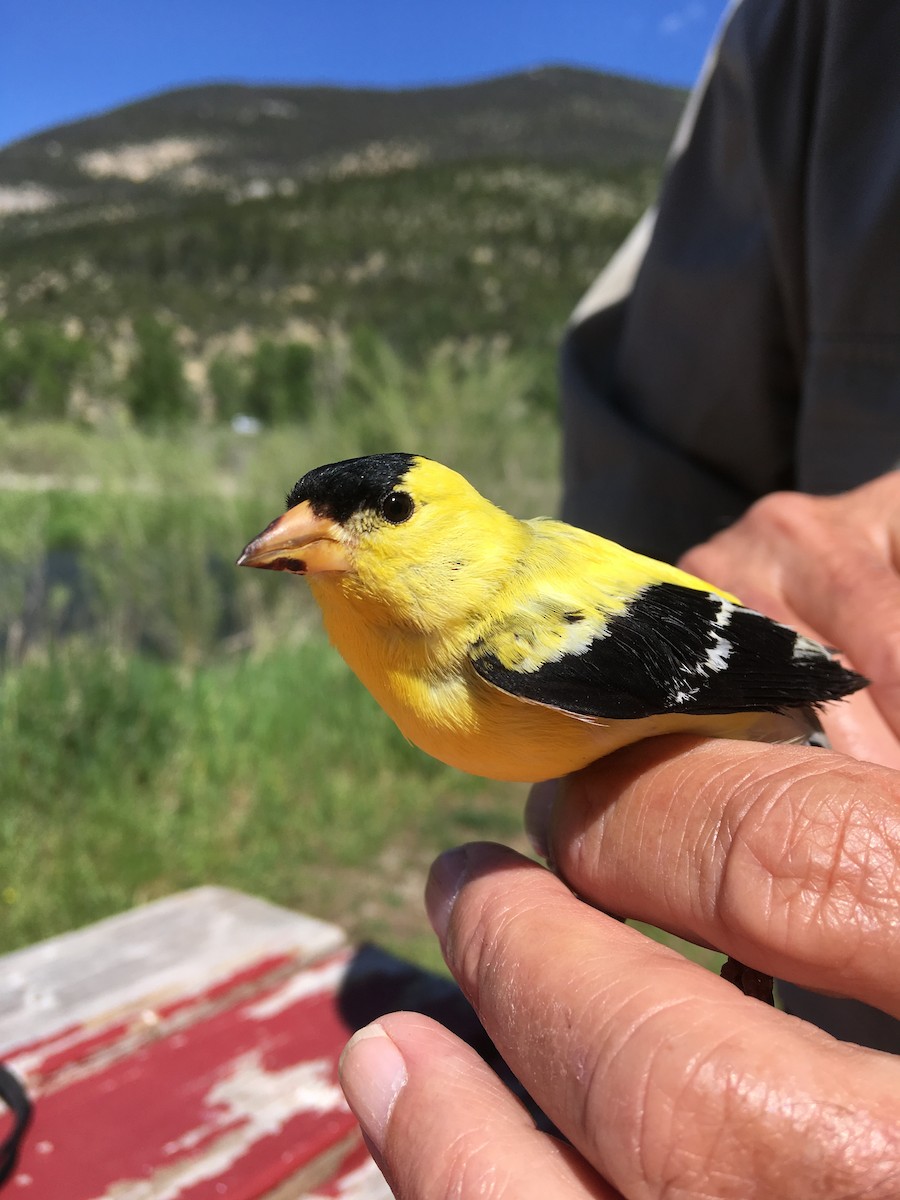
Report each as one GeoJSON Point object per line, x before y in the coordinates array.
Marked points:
{"type": "Point", "coordinates": [829, 565]}
{"type": "Point", "coordinates": [666, 1081]}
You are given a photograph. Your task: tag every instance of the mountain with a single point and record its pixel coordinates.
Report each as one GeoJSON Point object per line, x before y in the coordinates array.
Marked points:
{"type": "Point", "coordinates": [239, 214]}
{"type": "Point", "coordinates": [239, 139]}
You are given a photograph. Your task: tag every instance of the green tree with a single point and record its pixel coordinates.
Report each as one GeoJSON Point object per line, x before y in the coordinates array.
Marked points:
{"type": "Point", "coordinates": [297, 363]}
{"type": "Point", "coordinates": [226, 377]}
{"type": "Point", "coordinates": [156, 389]}
{"type": "Point", "coordinates": [280, 384]}
{"type": "Point", "coordinates": [263, 397]}
{"type": "Point", "coordinates": [14, 371]}
{"type": "Point", "coordinates": [39, 365]}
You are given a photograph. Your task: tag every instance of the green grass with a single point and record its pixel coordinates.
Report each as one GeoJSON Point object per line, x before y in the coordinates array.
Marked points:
{"type": "Point", "coordinates": [276, 774]}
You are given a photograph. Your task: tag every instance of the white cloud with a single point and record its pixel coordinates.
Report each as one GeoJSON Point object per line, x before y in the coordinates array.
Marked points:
{"type": "Point", "coordinates": [680, 18]}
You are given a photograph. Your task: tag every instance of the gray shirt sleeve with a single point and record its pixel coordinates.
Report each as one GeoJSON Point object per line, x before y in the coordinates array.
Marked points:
{"type": "Point", "coordinates": [748, 338]}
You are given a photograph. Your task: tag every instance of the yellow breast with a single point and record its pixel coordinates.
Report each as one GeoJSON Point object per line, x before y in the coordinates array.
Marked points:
{"type": "Point", "coordinates": [439, 703]}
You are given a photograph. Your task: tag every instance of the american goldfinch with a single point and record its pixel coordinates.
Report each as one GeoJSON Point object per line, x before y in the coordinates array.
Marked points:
{"type": "Point", "coordinates": [523, 650]}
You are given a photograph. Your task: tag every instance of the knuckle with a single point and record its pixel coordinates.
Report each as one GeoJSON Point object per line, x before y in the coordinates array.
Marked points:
{"type": "Point", "coordinates": [759, 544]}
{"type": "Point", "coordinates": [703, 560]}
{"type": "Point", "coordinates": [735, 1127]}
{"type": "Point", "coordinates": [789, 514]}
{"type": "Point", "coordinates": [884, 666]}
{"type": "Point", "coordinates": [812, 868]}
{"type": "Point", "coordinates": [879, 493]}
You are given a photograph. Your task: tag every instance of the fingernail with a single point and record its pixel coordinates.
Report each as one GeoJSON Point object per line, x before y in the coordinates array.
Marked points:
{"type": "Point", "coordinates": [538, 814]}
{"type": "Point", "coordinates": [444, 881]}
{"type": "Point", "coordinates": [372, 1074]}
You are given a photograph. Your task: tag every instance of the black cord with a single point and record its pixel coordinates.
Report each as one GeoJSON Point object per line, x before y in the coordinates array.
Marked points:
{"type": "Point", "coordinates": [16, 1098]}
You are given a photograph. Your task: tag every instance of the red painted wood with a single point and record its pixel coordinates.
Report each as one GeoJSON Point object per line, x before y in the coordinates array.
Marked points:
{"type": "Point", "coordinates": [354, 1163]}
{"type": "Point", "coordinates": [43, 1059]}
{"type": "Point", "coordinates": [230, 1102]}
{"type": "Point", "coordinates": [255, 974]}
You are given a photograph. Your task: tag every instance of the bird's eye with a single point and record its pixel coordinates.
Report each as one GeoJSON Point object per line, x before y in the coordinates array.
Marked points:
{"type": "Point", "coordinates": [397, 507]}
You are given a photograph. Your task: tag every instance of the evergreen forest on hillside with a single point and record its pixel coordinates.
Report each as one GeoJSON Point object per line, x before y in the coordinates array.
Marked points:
{"type": "Point", "coordinates": [230, 298]}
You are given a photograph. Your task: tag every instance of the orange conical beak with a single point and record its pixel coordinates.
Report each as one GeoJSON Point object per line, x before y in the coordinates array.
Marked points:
{"type": "Point", "coordinates": [298, 541]}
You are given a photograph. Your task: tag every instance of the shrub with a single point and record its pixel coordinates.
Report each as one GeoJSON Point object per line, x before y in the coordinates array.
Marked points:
{"type": "Point", "coordinates": [280, 387]}
{"type": "Point", "coordinates": [39, 366]}
{"type": "Point", "coordinates": [156, 390]}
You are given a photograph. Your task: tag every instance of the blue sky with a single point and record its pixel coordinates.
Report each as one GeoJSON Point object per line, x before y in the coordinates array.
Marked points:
{"type": "Point", "coordinates": [61, 59]}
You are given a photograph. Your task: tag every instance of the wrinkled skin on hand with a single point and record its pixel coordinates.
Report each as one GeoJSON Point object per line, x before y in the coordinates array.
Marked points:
{"type": "Point", "coordinates": [665, 1080]}
{"type": "Point", "coordinates": [829, 565]}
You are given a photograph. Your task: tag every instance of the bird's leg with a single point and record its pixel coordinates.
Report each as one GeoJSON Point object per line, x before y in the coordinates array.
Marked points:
{"type": "Point", "coordinates": [752, 983]}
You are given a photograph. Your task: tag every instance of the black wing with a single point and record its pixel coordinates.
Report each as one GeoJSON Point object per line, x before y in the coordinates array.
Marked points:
{"type": "Point", "coordinates": [678, 650]}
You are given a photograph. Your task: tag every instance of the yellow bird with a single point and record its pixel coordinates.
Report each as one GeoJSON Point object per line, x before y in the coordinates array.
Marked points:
{"type": "Point", "coordinates": [523, 650]}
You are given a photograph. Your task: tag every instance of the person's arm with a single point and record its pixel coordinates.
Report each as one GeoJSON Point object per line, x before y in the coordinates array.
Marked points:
{"type": "Point", "coordinates": [749, 341]}
{"type": "Point", "coordinates": [665, 1080]}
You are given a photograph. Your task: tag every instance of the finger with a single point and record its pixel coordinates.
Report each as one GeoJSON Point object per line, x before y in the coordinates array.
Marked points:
{"type": "Point", "coordinates": [538, 808]}
{"type": "Point", "coordinates": [667, 1079]}
{"type": "Point", "coordinates": [828, 567]}
{"type": "Point", "coordinates": [853, 601]}
{"type": "Point", "coordinates": [442, 1124]}
{"type": "Point", "coordinates": [749, 569]}
{"type": "Point", "coordinates": [853, 604]}
{"type": "Point", "coordinates": [857, 727]}
{"type": "Point", "coordinates": [786, 858]}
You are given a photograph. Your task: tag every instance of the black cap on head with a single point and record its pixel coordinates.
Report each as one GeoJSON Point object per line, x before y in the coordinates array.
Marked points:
{"type": "Point", "coordinates": [340, 489]}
